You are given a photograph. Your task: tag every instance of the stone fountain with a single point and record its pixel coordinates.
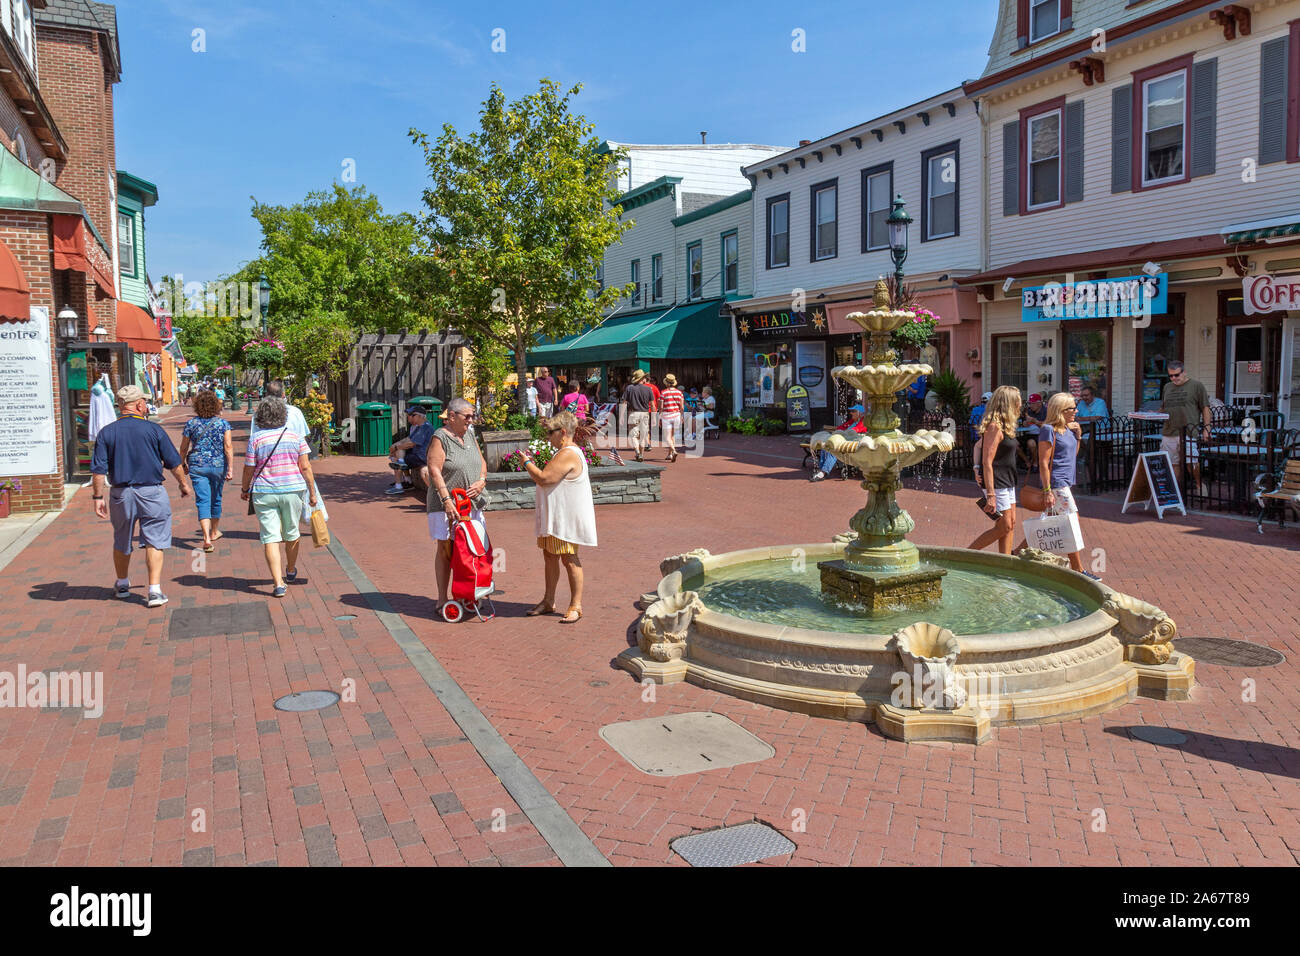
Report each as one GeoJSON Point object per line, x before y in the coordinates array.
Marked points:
{"type": "Point", "coordinates": [927, 643]}
{"type": "Point", "coordinates": [881, 569]}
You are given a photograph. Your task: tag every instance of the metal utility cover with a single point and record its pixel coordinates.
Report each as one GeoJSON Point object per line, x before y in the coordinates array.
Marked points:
{"type": "Point", "coordinates": [220, 620]}
{"type": "Point", "coordinates": [1225, 652]}
{"type": "Point", "coordinates": [732, 846]}
{"type": "Point", "coordinates": [307, 700]}
{"type": "Point", "coordinates": [1159, 735]}
{"type": "Point", "coordinates": [684, 743]}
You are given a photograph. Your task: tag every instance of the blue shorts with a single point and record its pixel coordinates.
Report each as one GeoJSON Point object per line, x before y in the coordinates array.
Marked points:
{"type": "Point", "coordinates": [148, 506]}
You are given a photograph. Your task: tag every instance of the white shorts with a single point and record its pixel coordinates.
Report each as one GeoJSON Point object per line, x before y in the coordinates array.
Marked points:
{"type": "Point", "coordinates": [438, 529]}
{"type": "Point", "coordinates": [1004, 499]}
{"type": "Point", "coordinates": [1065, 500]}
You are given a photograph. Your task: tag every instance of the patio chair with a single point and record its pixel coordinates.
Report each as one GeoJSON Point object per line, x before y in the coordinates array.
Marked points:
{"type": "Point", "coordinates": [1280, 489]}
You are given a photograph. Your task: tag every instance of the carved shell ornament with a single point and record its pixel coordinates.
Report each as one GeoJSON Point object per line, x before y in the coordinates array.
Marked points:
{"type": "Point", "coordinates": [665, 624]}
{"type": "Point", "coordinates": [1141, 623]}
{"type": "Point", "coordinates": [677, 561]}
{"type": "Point", "coordinates": [926, 641]}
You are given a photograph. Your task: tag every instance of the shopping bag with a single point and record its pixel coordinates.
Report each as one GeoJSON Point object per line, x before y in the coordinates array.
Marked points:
{"type": "Point", "coordinates": [1057, 534]}
{"type": "Point", "coordinates": [320, 532]}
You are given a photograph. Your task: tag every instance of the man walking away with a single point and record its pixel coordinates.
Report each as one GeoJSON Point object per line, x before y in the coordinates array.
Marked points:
{"type": "Point", "coordinates": [638, 397]}
{"type": "Point", "coordinates": [131, 454]}
{"type": "Point", "coordinates": [1185, 401]}
{"type": "Point", "coordinates": [545, 386]}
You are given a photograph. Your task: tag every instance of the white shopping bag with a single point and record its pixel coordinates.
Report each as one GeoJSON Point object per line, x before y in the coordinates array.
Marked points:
{"type": "Point", "coordinates": [307, 509]}
{"type": "Point", "coordinates": [1057, 534]}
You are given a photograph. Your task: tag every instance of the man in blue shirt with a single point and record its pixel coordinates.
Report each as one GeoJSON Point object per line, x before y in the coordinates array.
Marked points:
{"type": "Point", "coordinates": [131, 454]}
{"type": "Point", "coordinates": [1090, 406]}
{"type": "Point", "coordinates": [411, 453]}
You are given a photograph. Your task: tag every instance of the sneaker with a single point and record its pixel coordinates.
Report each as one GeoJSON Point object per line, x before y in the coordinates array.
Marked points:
{"type": "Point", "coordinates": [280, 591]}
{"type": "Point", "coordinates": [1095, 577]}
{"type": "Point", "coordinates": [291, 576]}
{"type": "Point", "coordinates": [818, 476]}
{"type": "Point", "coordinates": [122, 590]}
{"type": "Point", "coordinates": [157, 599]}
{"type": "Point", "coordinates": [395, 490]}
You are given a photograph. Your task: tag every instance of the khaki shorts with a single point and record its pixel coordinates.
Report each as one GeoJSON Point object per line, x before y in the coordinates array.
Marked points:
{"type": "Point", "coordinates": [638, 427]}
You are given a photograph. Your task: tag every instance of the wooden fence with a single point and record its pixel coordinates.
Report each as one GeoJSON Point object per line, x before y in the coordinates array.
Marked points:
{"type": "Point", "coordinates": [393, 368]}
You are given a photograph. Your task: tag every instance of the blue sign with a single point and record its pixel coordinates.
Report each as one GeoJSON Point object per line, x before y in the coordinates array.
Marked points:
{"type": "Point", "coordinates": [1127, 298]}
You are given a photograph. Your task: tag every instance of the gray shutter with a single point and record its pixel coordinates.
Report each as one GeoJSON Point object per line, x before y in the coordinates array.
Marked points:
{"type": "Point", "coordinates": [1205, 98]}
{"type": "Point", "coordinates": [1074, 151]}
{"type": "Point", "coordinates": [1121, 139]}
{"type": "Point", "coordinates": [1274, 58]}
{"type": "Point", "coordinates": [1011, 168]}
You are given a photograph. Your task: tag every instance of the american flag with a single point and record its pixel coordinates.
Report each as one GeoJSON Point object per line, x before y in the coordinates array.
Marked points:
{"type": "Point", "coordinates": [613, 453]}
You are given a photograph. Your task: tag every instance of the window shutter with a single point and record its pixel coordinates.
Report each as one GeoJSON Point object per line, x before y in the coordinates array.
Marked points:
{"type": "Point", "coordinates": [1011, 168]}
{"type": "Point", "coordinates": [1121, 139]}
{"type": "Point", "coordinates": [1205, 98]}
{"type": "Point", "coordinates": [1074, 151]}
{"type": "Point", "coordinates": [1274, 57]}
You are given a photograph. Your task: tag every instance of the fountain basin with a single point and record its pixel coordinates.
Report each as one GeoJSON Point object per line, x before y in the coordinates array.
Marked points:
{"type": "Point", "coordinates": [1082, 664]}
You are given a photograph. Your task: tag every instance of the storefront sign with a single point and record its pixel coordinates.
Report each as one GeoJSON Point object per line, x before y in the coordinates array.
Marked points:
{"type": "Point", "coordinates": [27, 433]}
{"type": "Point", "coordinates": [77, 371]}
{"type": "Point", "coordinates": [1264, 294]}
{"type": "Point", "coordinates": [1097, 299]}
{"type": "Point", "coordinates": [811, 322]}
{"type": "Point", "coordinates": [796, 409]}
{"type": "Point", "coordinates": [810, 371]}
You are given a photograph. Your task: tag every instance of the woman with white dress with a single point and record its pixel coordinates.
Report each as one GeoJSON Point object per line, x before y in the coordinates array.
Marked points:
{"type": "Point", "coordinates": [566, 515]}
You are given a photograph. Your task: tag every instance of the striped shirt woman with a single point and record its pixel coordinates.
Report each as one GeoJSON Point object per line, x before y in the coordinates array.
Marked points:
{"type": "Point", "coordinates": [671, 402]}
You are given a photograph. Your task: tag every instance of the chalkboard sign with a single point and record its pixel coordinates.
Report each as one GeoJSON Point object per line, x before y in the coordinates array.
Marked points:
{"type": "Point", "coordinates": [796, 409]}
{"type": "Point", "coordinates": [1153, 481]}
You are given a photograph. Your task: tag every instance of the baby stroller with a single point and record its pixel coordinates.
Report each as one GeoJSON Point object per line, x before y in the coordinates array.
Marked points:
{"type": "Point", "coordinates": [471, 565]}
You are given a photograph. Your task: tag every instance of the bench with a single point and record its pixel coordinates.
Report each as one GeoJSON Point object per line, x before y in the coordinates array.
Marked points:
{"type": "Point", "coordinates": [1286, 495]}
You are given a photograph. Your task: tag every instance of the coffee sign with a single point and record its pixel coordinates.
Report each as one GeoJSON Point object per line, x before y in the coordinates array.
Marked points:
{"type": "Point", "coordinates": [1264, 294]}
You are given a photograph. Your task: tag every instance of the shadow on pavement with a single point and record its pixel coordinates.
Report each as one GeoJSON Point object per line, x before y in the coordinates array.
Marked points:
{"type": "Point", "coordinates": [62, 591]}
{"type": "Point", "coordinates": [427, 608]}
{"type": "Point", "coordinates": [1273, 759]}
{"type": "Point", "coordinates": [258, 586]}
{"type": "Point", "coordinates": [348, 489]}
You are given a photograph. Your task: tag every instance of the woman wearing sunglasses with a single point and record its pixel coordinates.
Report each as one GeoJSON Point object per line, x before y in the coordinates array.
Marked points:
{"type": "Point", "coordinates": [566, 515]}
{"type": "Point", "coordinates": [454, 462]}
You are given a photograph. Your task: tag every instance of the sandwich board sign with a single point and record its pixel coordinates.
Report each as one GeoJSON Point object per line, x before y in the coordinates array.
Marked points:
{"type": "Point", "coordinates": [1153, 482]}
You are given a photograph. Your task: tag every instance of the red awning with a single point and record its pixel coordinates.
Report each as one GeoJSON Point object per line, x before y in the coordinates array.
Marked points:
{"type": "Point", "coordinates": [76, 248]}
{"type": "Point", "coordinates": [137, 329]}
{"type": "Point", "coordinates": [15, 293]}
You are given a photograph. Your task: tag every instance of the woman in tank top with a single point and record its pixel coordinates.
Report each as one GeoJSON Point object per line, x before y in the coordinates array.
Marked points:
{"type": "Point", "coordinates": [998, 467]}
{"type": "Point", "coordinates": [566, 515]}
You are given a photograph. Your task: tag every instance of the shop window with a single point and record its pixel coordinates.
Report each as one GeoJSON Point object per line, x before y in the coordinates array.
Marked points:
{"type": "Point", "coordinates": [877, 194]}
{"type": "Point", "coordinates": [939, 185]}
{"type": "Point", "coordinates": [1159, 347]}
{"type": "Point", "coordinates": [1087, 360]}
{"type": "Point", "coordinates": [694, 271]}
{"type": "Point", "coordinates": [1164, 129]}
{"type": "Point", "coordinates": [1044, 160]}
{"type": "Point", "coordinates": [1011, 355]}
{"type": "Point", "coordinates": [730, 263]}
{"type": "Point", "coordinates": [824, 225]}
{"type": "Point", "coordinates": [636, 281]}
{"type": "Point", "coordinates": [656, 278]}
{"type": "Point", "coordinates": [778, 232]}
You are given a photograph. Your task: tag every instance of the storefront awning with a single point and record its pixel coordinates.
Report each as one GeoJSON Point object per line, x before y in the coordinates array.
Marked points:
{"type": "Point", "coordinates": [1262, 230]}
{"type": "Point", "coordinates": [682, 332]}
{"type": "Point", "coordinates": [76, 247]}
{"type": "Point", "coordinates": [136, 327]}
{"type": "Point", "coordinates": [15, 293]}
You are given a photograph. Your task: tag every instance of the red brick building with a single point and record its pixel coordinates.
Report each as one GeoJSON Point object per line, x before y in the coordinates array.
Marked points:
{"type": "Point", "coordinates": [59, 60]}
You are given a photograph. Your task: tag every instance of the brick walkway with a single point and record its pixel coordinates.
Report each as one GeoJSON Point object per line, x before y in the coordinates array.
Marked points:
{"type": "Point", "coordinates": [189, 724]}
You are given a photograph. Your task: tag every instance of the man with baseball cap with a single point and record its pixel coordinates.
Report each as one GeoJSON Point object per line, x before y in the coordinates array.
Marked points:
{"type": "Point", "coordinates": [411, 453]}
{"type": "Point", "coordinates": [130, 454]}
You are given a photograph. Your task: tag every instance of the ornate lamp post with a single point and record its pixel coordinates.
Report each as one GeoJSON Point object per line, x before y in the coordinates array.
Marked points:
{"type": "Point", "coordinates": [898, 222]}
{"type": "Point", "coordinates": [264, 306]}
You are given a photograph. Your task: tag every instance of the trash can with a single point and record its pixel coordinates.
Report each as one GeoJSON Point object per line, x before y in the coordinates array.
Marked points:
{"type": "Point", "coordinates": [432, 407]}
{"type": "Point", "coordinates": [374, 428]}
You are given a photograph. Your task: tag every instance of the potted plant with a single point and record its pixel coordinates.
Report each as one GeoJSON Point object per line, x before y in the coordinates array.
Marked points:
{"type": "Point", "coordinates": [953, 394]}
{"type": "Point", "coordinates": [7, 485]}
{"type": "Point", "coordinates": [319, 413]}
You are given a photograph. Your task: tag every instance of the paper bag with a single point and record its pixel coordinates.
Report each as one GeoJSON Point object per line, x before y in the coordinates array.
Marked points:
{"type": "Point", "coordinates": [1053, 533]}
{"type": "Point", "coordinates": [320, 532]}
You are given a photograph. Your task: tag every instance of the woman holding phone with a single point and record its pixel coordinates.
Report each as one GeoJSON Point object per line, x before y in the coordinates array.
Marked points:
{"type": "Point", "coordinates": [998, 475]}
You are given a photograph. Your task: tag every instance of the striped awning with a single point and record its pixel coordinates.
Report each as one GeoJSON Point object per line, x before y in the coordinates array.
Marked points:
{"type": "Point", "coordinates": [1262, 230]}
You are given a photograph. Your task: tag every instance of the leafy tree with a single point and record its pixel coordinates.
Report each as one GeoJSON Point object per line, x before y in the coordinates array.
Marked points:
{"type": "Point", "coordinates": [317, 345]}
{"type": "Point", "coordinates": [209, 342]}
{"type": "Point", "coordinates": [518, 214]}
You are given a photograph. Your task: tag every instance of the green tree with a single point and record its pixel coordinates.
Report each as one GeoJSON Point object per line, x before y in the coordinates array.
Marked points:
{"type": "Point", "coordinates": [517, 216]}
{"type": "Point", "coordinates": [209, 342]}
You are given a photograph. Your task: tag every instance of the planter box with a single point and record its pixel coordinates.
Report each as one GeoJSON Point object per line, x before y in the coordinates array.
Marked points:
{"type": "Point", "coordinates": [4, 504]}
{"type": "Point", "coordinates": [496, 445]}
{"type": "Point", "coordinates": [610, 485]}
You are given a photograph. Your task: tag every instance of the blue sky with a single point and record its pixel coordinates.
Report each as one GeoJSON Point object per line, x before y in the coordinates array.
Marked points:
{"type": "Point", "coordinates": [286, 91]}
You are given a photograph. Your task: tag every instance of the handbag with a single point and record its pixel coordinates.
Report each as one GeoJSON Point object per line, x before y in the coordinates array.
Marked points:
{"type": "Point", "coordinates": [320, 532]}
{"type": "Point", "coordinates": [261, 468]}
{"type": "Point", "coordinates": [1054, 533]}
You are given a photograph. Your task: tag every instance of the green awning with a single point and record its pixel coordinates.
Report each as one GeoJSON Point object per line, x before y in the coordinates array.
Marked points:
{"type": "Point", "coordinates": [1262, 231]}
{"type": "Point", "coordinates": [682, 332]}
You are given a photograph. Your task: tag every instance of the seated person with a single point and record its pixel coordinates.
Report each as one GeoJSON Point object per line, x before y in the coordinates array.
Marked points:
{"type": "Point", "coordinates": [825, 460]}
{"type": "Point", "coordinates": [1035, 414]}
{"type": "Point", "coordinates": [977, 415]}
{"type": "Point", "coordinates": [411, 453]}
{"type": "Point", "coordinates": [1091, 407]}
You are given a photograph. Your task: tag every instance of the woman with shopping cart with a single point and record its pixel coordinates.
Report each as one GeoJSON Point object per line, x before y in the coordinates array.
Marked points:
{"type": "Point", "coordinates": [454, 461]}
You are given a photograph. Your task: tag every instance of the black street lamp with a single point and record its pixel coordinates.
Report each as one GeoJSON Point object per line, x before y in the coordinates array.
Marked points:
{"type": "Point", "coordinates": [264, 304]}
{"type": "Point", "coordinates": [898, 222]}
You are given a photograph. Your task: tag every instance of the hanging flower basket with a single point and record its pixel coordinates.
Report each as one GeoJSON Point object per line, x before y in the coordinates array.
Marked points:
{"type": "Point", "coordinates": [263, 352]}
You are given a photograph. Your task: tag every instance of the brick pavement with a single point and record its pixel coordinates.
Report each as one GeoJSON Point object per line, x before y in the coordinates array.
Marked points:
{"type": "Point", "coordinates": [189, 724]}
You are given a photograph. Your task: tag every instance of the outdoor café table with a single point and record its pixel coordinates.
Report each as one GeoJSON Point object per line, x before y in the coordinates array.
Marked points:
{"type": "Point", "coordinates": [1242, 461]}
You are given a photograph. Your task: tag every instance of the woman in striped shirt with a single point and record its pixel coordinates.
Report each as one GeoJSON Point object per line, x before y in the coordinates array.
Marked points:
{"type": "Point", "coordinates": [671, 402]}
{"type": "Point", "coordinates": [276, 473]}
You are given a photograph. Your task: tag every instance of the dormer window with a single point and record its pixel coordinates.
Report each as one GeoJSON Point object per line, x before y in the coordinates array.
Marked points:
{"type": "Point", "coordinates": [1044, 19]}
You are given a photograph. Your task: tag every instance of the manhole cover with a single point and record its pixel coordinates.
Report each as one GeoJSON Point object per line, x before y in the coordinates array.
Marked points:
{"type": "Point", "coordinates": [1226, 652]}
{"type": "Point", "coordinates": [684, 743]}
{"type": "Point", "coordinates": [308, 700]}
{"type": "Point", "coordinates": [1159, 735]}
{"type": "Point", "coordinates": [598, 683]}
{"type": "Point", "coordinates": [345, 617]}
{"type": "Point", "coordinates": [220, 620]}
{"type": "Point", "coordinates": [732, 846]}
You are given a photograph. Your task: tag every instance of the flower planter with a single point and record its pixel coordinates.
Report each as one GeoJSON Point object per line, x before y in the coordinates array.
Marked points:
{"type": "Point", "coordinates": [496, 445]}
{"type": "Point", "coordinates": [4, 503]}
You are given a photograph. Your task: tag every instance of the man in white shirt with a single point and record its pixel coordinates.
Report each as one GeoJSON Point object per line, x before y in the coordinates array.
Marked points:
{"type": "Point", "coordinates": [296, 422]}
{"type": "Point", "coordinates": [530, 395]}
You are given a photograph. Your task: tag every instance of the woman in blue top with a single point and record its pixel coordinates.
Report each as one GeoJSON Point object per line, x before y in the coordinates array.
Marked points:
{"type": "Point", "coordinates": [207, 457]}
{"type": "Point", "coordinates": [1058, 451]}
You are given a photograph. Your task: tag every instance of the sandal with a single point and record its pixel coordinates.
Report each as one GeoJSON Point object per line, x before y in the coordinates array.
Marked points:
{"type": "Point", "coordinates": [572, 620]}
{"type": "Point", "coordinates": [541, 608]}
{"type": "Point", "coordinates": [208, 549]}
